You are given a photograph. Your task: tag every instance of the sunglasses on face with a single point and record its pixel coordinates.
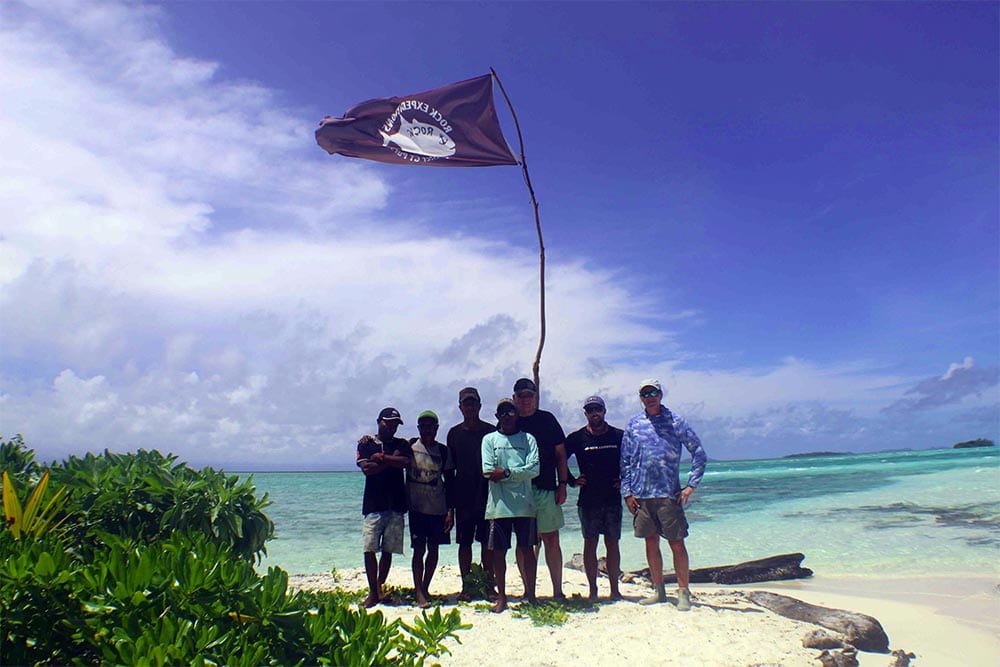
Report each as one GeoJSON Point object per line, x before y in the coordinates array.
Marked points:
{"type": "Point", "coordinates": [506, 413]}
{"type": "Point", "coordinates": [590, 409]}
{"type": "Point", "coordinates": [526, 394]}
{"type": "Point", "coordinates": [650, 393]}
{"type": "Point", "coordinates": [427, 425]}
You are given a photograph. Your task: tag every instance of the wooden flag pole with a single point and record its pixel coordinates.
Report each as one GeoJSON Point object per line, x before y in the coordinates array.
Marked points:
{"type": "Point", "coordinates": [538, 228]}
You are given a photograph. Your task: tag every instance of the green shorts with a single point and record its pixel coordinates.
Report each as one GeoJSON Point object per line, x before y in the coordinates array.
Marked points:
{"type": "Point", "coordinates": [548, 514]}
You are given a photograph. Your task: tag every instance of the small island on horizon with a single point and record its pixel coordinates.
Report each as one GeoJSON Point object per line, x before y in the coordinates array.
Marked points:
{"type": "Point", "coordinates": [978, 442]}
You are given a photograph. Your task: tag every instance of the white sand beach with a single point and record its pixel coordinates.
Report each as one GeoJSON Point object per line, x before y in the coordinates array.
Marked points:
{"type": "Point", "coordinates": [943, 621]}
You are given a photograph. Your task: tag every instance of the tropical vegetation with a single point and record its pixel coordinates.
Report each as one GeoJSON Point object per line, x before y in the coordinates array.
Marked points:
{"type": "Point", "coordinates": [137, 559]}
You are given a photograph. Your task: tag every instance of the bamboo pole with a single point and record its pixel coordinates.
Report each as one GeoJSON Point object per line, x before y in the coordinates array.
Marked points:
{"type": "Point", "coordinates": [538, 228]}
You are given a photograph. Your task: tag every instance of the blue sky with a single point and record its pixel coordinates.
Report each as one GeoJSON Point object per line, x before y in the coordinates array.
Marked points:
{"type": "Point", "coordinates": [788, 212]}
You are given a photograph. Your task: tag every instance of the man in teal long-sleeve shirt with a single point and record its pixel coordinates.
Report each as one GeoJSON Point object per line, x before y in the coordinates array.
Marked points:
{"type": "Point", "coordinates": [510, 461]}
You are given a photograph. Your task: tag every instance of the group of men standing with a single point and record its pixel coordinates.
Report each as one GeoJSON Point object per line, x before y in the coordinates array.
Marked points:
{"type": "Point", "coordinates": [498, 484]}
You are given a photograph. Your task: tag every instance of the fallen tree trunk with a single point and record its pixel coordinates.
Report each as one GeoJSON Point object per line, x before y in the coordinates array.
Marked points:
{"type": "Point", "coordinates": [772, 568]}
{"type": "Point", "coordinates": [859, 630]}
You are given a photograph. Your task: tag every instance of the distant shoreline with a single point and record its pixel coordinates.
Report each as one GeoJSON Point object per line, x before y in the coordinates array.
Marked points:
{"type": "Point", "coordinates": [799, 455]}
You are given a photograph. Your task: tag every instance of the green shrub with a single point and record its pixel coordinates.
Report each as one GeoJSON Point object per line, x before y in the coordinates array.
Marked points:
{"type": "Point", "coordinates": [150, 586]}
{"type": "Point", "coordinates": [554, 612]}
{"type": "Point", "coordinates": [18, 461]}
{"type": "Point", "coordinates": [147, 496]}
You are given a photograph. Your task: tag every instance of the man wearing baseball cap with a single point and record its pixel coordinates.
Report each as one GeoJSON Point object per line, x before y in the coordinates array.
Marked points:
{"type": "Point", "coordinates": [428, 493]}
{"type": "Point", "coordinates": [650, 463]}
{"type": "Point", "coordinates": [597, 448]}
{"type": "Point", "coordinates": [382, 459]}
{"type": "Point", "coordinates": [550, 484]}
{"type": "Point", "coordinates": [510, 462]}
{"type": "Point", "coordinates": [465, 442]}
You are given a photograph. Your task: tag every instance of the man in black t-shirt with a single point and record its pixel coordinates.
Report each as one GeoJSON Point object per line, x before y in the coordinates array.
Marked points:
{"type": "Point", "coordinates": [382, 460]}
{"type": "Point", "coordinates": [465, 441]}
{"type": "Point", "coordinates": [597, 447]}
{"type": "Point", "coordinates": [550, 484]}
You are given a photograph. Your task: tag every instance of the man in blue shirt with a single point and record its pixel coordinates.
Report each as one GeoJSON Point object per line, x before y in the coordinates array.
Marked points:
{"type": "Point", "coordinates": [650, 462]}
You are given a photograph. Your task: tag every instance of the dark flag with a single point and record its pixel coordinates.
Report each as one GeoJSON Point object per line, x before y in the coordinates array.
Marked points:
{"type": "Point", "coordinates": [453, 126]}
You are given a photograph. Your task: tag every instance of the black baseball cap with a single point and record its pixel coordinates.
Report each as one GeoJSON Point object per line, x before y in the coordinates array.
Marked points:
{"type": "Point", "coordinates": [525, 384]}
{"type": "Point", "coordinates": [467, 392]}
{"type": "Point", "coordinates": [390, 414]}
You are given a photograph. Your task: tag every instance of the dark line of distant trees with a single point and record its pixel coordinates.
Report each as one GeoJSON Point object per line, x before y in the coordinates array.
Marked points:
{"type": "Point", "coordinates": [978, 442]}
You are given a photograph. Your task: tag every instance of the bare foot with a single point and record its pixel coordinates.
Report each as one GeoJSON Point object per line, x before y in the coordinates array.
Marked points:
{"type": "Point", "coordinates": [593, 595]}
{"type": "Point", "coordinates": [531, 601]}
{"type": "Point", "coordinates": [370, 601]}
{"type": "Point", "coordinates": [616, 596]}
{"type": "Point", "coordinates": [500, 606]}
{"type": "Point", "coordinates": [422, 601]}
{"type": "Point", "coordinates": [464, 597]}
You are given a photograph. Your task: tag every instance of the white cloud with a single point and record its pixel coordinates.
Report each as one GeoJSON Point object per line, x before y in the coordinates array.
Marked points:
{"type": "Point", "coordinates": [959, 382]}
{"type": "Point", "coordinates": [181, 268]}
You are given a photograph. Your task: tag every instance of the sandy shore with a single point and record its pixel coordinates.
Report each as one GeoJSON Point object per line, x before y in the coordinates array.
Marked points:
{"type": "Point", "coordinates": [943, 621]}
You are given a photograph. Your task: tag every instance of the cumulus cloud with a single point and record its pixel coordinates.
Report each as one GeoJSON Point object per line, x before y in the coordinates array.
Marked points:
{"type": "Point", "coordinates": [181, 268]}
{"type": "Point", "coordinates": [960, 381]}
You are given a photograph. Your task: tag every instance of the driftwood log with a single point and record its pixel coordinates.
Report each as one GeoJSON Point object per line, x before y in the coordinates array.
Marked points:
{"type": "Point", "coordinates": [772, 568]}
{"type": "Point", "coordinates": [859, 630]}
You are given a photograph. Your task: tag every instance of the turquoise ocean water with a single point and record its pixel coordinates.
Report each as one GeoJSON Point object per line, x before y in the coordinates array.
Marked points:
{"type": "Point", "coordinates": [919, 513]}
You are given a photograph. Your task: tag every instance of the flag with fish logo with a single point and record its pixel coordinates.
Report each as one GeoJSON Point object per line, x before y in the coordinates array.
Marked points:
{"type": "Point", "coordinates": [453, 126]}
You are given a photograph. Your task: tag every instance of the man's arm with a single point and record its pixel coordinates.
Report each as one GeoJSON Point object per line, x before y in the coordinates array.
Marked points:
{"type": "Point", "coordinates": [562, 469]}
{"type": "Point", "coordinates": [626, 464]}
{"type": "Point", "coordinates": [400, 456]}
{"type": "Point", "coordinates": [530, 468]}
{"type": "Point", "coordinates": [489, 454]}
{"type": "Point", "coordinates": [698, 457]}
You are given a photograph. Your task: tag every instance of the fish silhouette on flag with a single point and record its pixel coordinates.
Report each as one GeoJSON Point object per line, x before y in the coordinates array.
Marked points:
{"type": "Point", "coordinates": [420, 139]}
{"type": "Point", "coordinates": [452, 126]}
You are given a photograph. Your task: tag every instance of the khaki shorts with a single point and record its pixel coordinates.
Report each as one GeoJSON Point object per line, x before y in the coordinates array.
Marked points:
{"type": "Point", "coordinates": [382, 531]}
{"type": "Point", "coordinates": [660, 516]}
{"type": "Point", "coordinates": [548, 514]}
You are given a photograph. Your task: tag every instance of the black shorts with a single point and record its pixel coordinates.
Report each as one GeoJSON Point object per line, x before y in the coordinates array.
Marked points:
{"type": "Point", "coordinates": [524, 527]}
{"type": "Point", "coordinates": [427, 529]}
{"type": "Point", "coordinates": [598, 520]}
{"type": "Point", "coordinates": [473, 529]}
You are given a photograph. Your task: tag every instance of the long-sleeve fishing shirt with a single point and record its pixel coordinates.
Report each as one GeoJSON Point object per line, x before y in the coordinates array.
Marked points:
{"type": "Point", "coordinates": [651, 455]}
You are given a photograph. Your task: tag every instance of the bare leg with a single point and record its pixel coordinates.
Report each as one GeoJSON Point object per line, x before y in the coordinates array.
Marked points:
{"type": "Point", "coordinates": [465, 561]}
{"type": "Point", "coordinates": [429, 568]}
{"type": "Point", "coordinates": [681, 565]}
{"type": "Point", "coordinates": [553, 558]}
{"type": "Point", "coordinates": [417, 564]}
{"type": "Point", "coordinates": [384, 563]}
{"type": "Point", "coordinates": [655, 560]}
{"type": "Point", "coordinates": [374, 588]}
{"type": "Point", "coordinates": [614, 565]}
{"type": "Point", "coordinates": [486, 558]}
{"type": "Point", "coordinates": [519, 558]}
{"type": "Point", "coordinates": [530, 572]}
{"type": "Point", "coordinates": [500, 574]}
{"type": "Point", "coordinates": [590, 564]}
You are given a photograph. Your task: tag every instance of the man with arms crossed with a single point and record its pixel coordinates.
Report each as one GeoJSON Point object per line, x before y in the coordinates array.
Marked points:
{"type": "Point", "coordinates": [597, 447]}
{"type": "Point", "coordinates": [650, 462]}
{"type": "Point", "coordinates": [510, 461]}
{"type": "Point", "coordinates": [550, 485]}
{"type": "Point", "coordinates": [382, 460]}
{"type": "Point", "coordinates": [465, 442]}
